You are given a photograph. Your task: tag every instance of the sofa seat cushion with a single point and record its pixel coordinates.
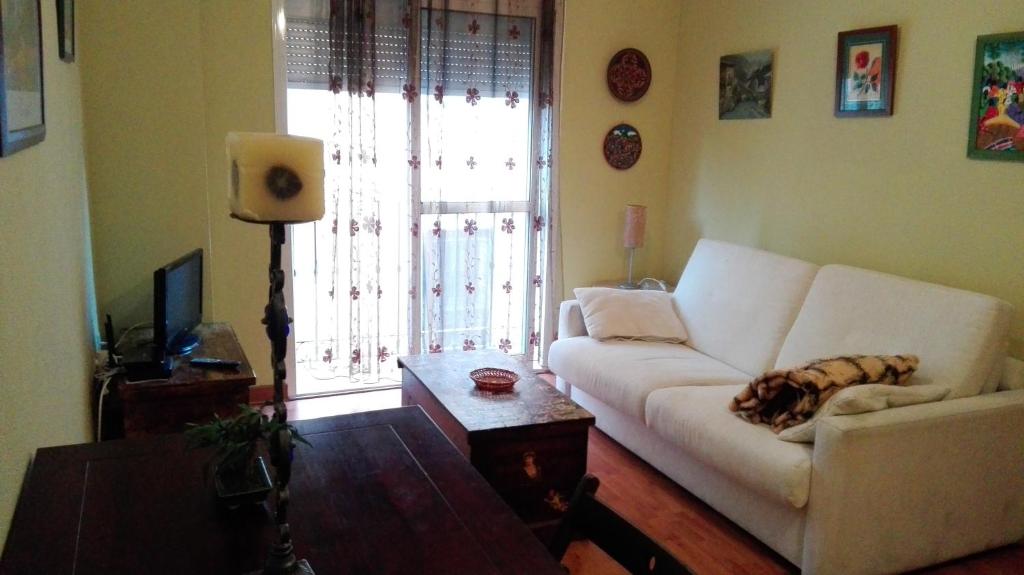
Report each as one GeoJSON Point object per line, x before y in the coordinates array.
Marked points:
{"type": "Point", "coordinates": [623, 373]}
{"type": "Point", "coordinates": [698, 421]}
{"type": "Point", "coordinates": [960, 336]}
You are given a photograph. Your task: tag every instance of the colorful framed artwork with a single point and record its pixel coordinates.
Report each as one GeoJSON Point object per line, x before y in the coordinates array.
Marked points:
{"type": "Point", "coordinates": [66, 29]}
{"type": "Point", "coordinates": [622, 147]}
{"type": "Point", "coordinates": [866, 72]}
{"type": "Point", "coordinates": [629, 75]}
{"type": "Point", "coordinates": [997, 105]}
{"type": "Point", "coordinates": [21, 76]}
{"type": "Point", "coordinates": [745, 86]}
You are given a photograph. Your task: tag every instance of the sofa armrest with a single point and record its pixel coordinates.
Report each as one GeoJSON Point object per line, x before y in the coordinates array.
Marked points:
{"type": "Point", "coordinates": [570, 320]}
{"type": "Point", "coordinates": [907, 487]}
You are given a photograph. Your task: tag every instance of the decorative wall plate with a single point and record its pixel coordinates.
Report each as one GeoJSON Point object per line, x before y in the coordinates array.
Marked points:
{"type": "Point", "coordinates": [622, 147]}
{"type": "Point", "coordinates": [629, 75]}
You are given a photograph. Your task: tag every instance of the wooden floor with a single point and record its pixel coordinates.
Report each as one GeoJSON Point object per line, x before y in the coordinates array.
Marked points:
{"type": "Point", "coordinates": [699, 536]}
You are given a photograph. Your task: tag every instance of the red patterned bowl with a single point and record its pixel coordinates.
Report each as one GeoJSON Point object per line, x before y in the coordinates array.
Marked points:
{"type": "Point", "coordinates": [494, 379]}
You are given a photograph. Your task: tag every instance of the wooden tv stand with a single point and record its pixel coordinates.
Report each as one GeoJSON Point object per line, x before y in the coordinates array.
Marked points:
{"type": "Point", "coordinates": [191, 394]}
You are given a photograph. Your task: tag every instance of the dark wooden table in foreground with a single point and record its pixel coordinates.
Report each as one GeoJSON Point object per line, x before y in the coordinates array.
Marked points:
{"type": "Point", "coordinates": [530, 443]}
{"type": "Point", "coordinates": [379, 492]}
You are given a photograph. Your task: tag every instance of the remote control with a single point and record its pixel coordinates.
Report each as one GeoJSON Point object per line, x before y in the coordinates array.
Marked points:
{"type": "Point", "coordinates": [214, 363]}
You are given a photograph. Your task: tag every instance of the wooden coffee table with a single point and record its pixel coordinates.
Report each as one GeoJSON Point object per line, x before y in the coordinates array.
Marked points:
{"type": "Point", "coordinates": [530, 443]}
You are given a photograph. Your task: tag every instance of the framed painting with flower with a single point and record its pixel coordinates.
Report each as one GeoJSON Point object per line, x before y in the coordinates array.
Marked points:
{"type": "Point", "coordinates": [866, 72]}
{"type": "Point", "coordinates": [997, 104]}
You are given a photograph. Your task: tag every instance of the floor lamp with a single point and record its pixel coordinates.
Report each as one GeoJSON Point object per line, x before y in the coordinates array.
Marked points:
{"type": "Point", "coordinates": [277, 180]}
{"type": "Point", "coordinates": [633, 237]}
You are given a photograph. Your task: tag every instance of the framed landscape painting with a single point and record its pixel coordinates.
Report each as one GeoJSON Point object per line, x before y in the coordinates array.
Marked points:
{"type": "Point", "coordinates": [745, 86]}
{"type": "Point", "coordinates": [866, 72]}
{"type": "Point", "coordinates": [21, 76]}
{"type": "Point", "coordinates": [997, 104]}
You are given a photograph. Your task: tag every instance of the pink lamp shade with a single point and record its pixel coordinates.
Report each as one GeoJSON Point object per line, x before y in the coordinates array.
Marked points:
{"type": "Point", "coordinates": [636, 221]}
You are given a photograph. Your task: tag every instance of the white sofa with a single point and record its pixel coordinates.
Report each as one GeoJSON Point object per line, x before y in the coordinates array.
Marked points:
{"type": "Point", "coordinates": [878, 492]}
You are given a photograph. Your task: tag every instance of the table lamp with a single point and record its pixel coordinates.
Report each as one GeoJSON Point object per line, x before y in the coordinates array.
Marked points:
{"type": "Point", "coordinates": [277, 180]}
{"type": "Point", "coordinates": [633, 237]}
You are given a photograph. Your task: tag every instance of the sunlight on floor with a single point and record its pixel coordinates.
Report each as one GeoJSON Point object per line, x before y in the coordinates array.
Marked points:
{"type": "Point", "coordinates": [316, 407]}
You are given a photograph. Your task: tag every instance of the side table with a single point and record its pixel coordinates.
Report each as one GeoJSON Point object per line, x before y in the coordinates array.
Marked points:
{"type": "Point", "coordinates": [191, 394]}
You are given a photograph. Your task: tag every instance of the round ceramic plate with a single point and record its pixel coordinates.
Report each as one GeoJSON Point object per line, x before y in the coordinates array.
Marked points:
{"type": "Point", "coordinates": [629, 75]}
{"type": "Point", "coordinates": [622, 147]}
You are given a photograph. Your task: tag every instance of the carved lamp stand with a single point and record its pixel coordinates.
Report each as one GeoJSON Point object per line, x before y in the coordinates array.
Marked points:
{"type": "Point", "coordinates": [281, 560]}
{"type": "Point", "coordinates": [277, 180]}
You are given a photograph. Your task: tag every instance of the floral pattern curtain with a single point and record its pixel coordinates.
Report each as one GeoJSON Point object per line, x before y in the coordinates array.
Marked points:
{"type": "Point", "coordinates": [441, 228]}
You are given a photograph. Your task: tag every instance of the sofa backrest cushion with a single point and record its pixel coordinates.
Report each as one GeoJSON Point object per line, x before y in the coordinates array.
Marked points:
{"type": "Point", "coordinates": [738, 303]}
{"type": "Point", "coordinates": [960, 337]}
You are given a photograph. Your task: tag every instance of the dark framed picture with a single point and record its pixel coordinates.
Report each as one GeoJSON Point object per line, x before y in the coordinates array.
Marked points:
{"type": "Point", "coordinates": [22, 122]}
{"type": "Point", "coordinates": [866, 71]}
{"type": "Point", "coordinates": [997, 105]}
{"type": "Point", "coordinates": [745, 86]}
{"type": "Point", "coordinates": [66, 29]}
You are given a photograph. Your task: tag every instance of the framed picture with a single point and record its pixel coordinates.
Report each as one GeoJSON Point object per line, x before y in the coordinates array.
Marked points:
{"type": "Point", "coordinates": [997, 105]}
{"type": "Point", "coordinates": [66, 29]}
{"type": "Point", "coordinates": [21, 76]}
{"type": "Point", "coordinates": [866, 72]}
{"type": "Point", "coordinates": [745, 86]}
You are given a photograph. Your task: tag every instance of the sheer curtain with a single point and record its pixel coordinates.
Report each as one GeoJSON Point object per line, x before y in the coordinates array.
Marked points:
{"type": "Point", "coordinates": [441, 228]}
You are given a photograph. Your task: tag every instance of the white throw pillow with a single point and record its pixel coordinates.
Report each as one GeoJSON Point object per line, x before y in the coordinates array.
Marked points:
{"type": "Point", "coordinates": [862, 399]}
{"type": "Point", "coordinates": [644, 315]}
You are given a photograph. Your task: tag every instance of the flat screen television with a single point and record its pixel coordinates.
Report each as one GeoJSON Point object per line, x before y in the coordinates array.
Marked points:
{"type": "Point", "coordinates": [178, 303]}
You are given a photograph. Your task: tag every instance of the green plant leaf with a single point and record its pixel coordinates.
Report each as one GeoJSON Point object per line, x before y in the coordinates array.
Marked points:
{"type": "Point", "coordinates": [237, 440]}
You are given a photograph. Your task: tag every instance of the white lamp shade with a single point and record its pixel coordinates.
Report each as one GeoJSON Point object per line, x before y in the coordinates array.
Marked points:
{"type": "Point", "coordinates": [636, 221]}
{"type": "Point", "coordinates": [275, 178]}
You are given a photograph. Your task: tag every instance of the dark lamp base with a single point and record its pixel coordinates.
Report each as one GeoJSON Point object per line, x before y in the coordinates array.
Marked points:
{"type": "Point", "coordinates": [629, 285]}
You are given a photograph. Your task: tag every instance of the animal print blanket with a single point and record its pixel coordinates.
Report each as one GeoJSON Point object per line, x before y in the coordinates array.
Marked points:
{"type": "Point", "coordinates": [786, 397]}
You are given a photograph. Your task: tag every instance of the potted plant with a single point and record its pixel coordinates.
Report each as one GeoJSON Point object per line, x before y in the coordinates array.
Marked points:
{"type": "Point", "coordinates": [240, 474]}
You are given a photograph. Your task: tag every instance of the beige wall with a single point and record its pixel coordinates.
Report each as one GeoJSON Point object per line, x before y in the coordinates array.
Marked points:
{"type": "Point", "coordinates": [894, 194]}
{"type": "Point", "coordinates": [238, 74]}
{"type": "Point", "coordinates": [593, 194]}
{"type": "Point", "coordinates": [142, 94]}
{"type": "Point", "coordinates": [163, 83]}
{"type": "Point", "coordinates": [46, 328]}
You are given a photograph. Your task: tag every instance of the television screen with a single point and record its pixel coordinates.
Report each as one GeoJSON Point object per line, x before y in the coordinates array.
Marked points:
{"type": "Point", "coordinates": [178, 303]}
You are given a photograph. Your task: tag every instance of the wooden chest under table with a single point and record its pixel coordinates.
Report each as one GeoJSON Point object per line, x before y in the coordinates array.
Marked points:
{"type": "Point", "coordinates": [530, 443]}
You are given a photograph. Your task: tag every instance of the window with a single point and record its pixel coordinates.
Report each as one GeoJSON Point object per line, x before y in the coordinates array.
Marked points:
{"type": "Point", "coordinates": [432, 234]}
